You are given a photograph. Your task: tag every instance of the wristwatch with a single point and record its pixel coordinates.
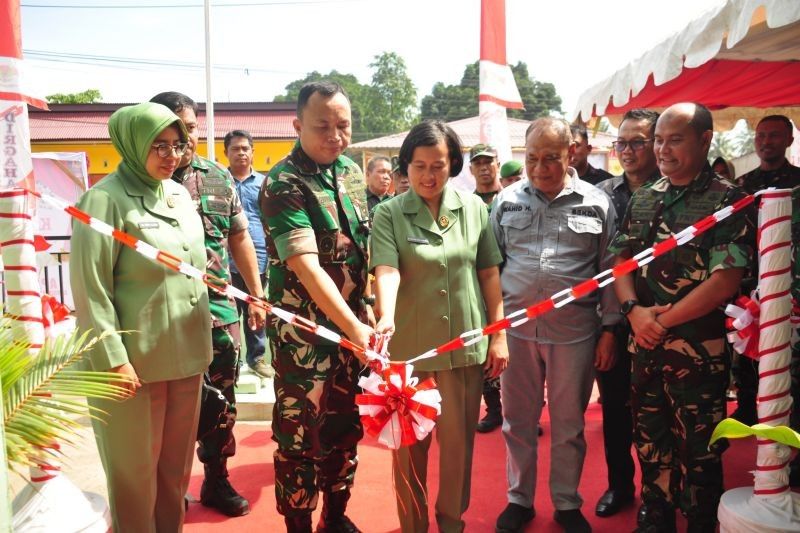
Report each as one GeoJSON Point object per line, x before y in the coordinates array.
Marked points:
{"type": "Point", "coordinates": [628, 306]}
{"type": "Point", "coordinates": [369, 300]}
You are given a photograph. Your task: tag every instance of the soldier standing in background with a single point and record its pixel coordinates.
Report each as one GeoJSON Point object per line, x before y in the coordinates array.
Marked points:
{"type": "Point", "coordinates": [315, 215]}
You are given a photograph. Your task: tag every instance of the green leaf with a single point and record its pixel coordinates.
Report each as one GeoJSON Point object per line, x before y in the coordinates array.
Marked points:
{"type": "Point", "coordinates": [733, 429]}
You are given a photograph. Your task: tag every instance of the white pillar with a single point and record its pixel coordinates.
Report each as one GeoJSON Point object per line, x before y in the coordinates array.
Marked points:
{"type": "Point", "coordinates": [770, 506]}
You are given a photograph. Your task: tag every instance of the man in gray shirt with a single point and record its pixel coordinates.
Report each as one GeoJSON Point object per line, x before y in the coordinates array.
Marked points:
{"type": "Point", "coordinates": [553, 230]}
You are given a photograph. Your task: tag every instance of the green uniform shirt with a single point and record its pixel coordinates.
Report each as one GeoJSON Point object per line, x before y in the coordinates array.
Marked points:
{"type": "Point", "coordinates": [220, 208]}
{"type": "Point", "coordinates": [309, 208]}
{"type": "Point", "coordinates": [439, 295]}
{"type": "Point", "coordinates": [659, 212]}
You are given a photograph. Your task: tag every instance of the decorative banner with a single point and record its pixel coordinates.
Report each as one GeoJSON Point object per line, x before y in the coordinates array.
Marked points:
{"type": "Point", "coordinates": [12, 73]}
{"type": "Point", "coordinates": [63, 175]}
{"type": "Point", "coordinates": [498, 89]}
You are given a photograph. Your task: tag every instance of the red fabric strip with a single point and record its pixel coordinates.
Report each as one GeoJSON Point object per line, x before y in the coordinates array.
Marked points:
{"type": "Point", "coordinates": [584, 288]}
{"type": "Point", "coordinates": [774, 349]}
{"type": "Point", "coordinates": [664, 246]}
{"type": "Point", "coordinates": [493, 31]}
{"type": "Point", "coordinates": [500, 325]}
{"type": "Point", "coordinates": [540, 308]}
{"type": "Point", "coordinates": [772, 491]}
{"type": "Point", "coordinates": [16, 241]}
{"type": "Point", "coordinates": [774, 396]}
{"type": "Point", "coordinates": [13, 193]}
{"type": "Point", "coordinates": [774, 295]}
{"type": "Point", "coordinates": [773, 372]}
{"type": "Point", "coordinates": [774, 221]}
{"type": "Point", "coordinates": [77, 213]}
{"type": "Point", "coordinates": [454, 344]}
{"type": "Point", "coordinates": [774, 417]}
{"type": "Point", "coordinates": [704, 224]}
{"type": "Point", "coordinates": [124, 238]}
{"type": "Point", "coordinates": [500, 101]}
{"type": "Point", "coordinates": [21, 268]}
{"type": "Point", "coordinates": [15, 215]}
{"type": "Point", "coordinates": [775, 272]}
{"type": "Point", "coordinates": [25, 293]}
{"type": "Point", "coordinates": [771, 468]}
{"type": "Point", "coordinates": [774, 247]}
{"type": "Point", "coordinates": [625, 268]}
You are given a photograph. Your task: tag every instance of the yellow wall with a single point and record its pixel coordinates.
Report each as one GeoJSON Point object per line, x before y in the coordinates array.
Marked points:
{"type": "Point", "coordinates": [103, 159]}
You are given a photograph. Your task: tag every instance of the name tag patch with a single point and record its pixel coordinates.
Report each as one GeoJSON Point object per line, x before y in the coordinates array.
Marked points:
{"type": "Point", "coordinates": [418, 240]}
{"type": "Point", "coordinates": [148, 225]}
{"type": "Point", "coordinates": [584, 224]}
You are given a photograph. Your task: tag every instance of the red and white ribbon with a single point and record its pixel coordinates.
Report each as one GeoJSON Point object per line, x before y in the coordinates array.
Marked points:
{"type": "Point", "coordinates": [743, 322]}
{"type": "Point", "coordinates": [396, 408]}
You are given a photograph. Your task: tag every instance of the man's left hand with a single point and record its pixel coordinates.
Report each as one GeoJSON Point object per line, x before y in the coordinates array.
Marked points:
{"type": "Point", "coordinates": [605, 352]}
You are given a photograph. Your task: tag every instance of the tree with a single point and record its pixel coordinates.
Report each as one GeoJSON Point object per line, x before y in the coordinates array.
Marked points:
{"type": "Point", "coordinates": [386, 106]}
{"type": "Point", "coordinates": [453, 102]}
{"type": "Point", "coordinates": [394, 97]}
{"type": "Point", "coordinates": [89, 96]}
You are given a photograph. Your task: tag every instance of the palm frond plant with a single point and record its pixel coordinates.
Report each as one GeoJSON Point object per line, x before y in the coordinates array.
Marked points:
{"type": "Point", "coordinates": [43, 396]}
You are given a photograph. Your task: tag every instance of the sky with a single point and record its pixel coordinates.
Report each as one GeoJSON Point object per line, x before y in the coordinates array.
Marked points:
{"type": "Point", "coordinates": [261, 46]}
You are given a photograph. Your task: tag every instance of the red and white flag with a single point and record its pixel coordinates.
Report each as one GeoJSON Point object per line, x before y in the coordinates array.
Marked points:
{"type": "Point", "coordinates": [16, 168]}
{"type": "Point", "coordinates": [498, 90]}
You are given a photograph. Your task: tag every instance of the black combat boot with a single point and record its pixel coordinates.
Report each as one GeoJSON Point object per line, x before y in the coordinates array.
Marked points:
{"type": "Point", "coordinates": [494, 411]}
{"type": "Point", "coordinates": [333, 519]}
{"type": "Point", "coordinates": [298, 524]}
{"type": "Point", "coordinates": [217, 491]}
{"type": "Point", "coordinates": [655, 517]}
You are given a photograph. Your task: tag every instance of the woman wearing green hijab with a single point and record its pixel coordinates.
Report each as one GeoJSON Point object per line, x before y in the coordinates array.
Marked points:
{"type": "Point", "coordinates": [145, 442]}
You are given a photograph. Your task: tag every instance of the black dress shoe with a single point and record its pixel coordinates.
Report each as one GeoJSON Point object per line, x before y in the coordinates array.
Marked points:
{"type": "Point", "coordinates": [572, 521]}
{"type": "Point", "coordinates": [513, 518]}
{"type": "Point", "coordinates": [612, 501]}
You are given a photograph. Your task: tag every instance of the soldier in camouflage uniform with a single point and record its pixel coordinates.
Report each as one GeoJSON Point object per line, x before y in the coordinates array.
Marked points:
{"type": "Point", "coordinates": [314, 209]}
{"type": "Point", "coordinates": [674, 305]}
{"type": "Point", "coordinates": [773, 137]}
{"type": "Point", "coordinates": [225, 223]}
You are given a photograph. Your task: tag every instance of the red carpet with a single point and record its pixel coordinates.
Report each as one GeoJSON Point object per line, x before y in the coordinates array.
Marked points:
{"type": "Point", "coordinates": [372, 506]}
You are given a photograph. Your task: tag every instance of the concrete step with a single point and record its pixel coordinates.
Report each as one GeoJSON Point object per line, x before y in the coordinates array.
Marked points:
{"type": "Point", "coordinates": [255, 397]}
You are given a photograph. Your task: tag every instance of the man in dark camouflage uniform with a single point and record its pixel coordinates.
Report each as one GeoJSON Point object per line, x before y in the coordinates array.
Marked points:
{"type": "Point", "coordinates": [316, 219]}
{"type": "Point", "coordinates": [773, 137]}
{"type": "Point", "coordinates": [211, 187]}
{"type": "Point", "coordinates": [673, 304]}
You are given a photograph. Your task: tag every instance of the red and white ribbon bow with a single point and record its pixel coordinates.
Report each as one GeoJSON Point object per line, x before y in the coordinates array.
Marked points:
{"type": "Point", "coordinates": [396, 408]}
{"type": "Point", "coordinates": [743, 322]}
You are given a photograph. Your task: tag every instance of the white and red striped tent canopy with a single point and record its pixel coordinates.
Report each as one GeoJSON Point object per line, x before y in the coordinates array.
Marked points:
{"type": "Point", "coordinates": [742, 60]}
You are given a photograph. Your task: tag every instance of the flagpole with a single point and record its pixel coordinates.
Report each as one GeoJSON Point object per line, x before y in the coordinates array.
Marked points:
{"type": "Point", "coordinates": [209, 99]}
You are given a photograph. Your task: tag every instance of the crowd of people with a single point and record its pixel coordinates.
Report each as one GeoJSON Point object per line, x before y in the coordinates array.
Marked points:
{"type": "Point", "coordinates": [397, 252]}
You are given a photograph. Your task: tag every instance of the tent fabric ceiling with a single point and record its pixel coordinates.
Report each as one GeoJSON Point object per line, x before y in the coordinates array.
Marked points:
{"type": "Point", "coordinates": [758, 35]}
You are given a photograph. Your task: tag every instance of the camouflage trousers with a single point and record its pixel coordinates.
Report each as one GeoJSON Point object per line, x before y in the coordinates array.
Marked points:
{"type": "Point", "coordinates": [223, 373]}
{"type": "Point", "coordinates": [678, 398]}
{"type": "Point", "coordinates": [315, 423]}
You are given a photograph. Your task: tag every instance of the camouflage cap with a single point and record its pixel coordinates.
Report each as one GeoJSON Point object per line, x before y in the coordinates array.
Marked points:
{"type": "Point", "coordinates": [510, 168]}
{"type": "Point", "coordinates": [482, 150]}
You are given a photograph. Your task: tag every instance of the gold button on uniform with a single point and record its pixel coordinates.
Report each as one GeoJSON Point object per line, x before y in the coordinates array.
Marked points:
{"type": "Point", "coordinates": [442, 292]}
{"type": "Point", "coordinates": [445, 319]}
{"type": "Point", "coordinates": [171, 201]}
{"type": "Point", "coordinates": [193, 300]}
{"type": "Point", "coordinates": [443, 221]}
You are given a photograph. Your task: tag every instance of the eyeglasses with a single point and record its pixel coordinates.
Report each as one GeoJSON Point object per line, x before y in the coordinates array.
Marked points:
{"type": "Point", "coordinates": [166, 150]}
{"type": "Point", "coordinates": [636, 145]}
